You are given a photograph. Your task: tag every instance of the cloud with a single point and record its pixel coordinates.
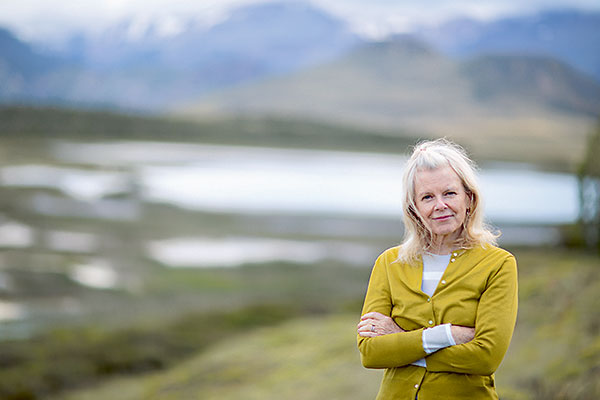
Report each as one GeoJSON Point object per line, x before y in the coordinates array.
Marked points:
{"type": "Point", "coordinates": [377, 18]}
{"type": "Point", "coordinates": [39, 19]}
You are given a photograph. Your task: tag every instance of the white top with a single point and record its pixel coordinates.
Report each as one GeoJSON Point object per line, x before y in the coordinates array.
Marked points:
{"type": "Point", "coordinates": [440, 336]}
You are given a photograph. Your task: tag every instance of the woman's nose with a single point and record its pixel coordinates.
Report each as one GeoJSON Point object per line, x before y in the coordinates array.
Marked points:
{"type": "Point", "coordinates": [440, 205]}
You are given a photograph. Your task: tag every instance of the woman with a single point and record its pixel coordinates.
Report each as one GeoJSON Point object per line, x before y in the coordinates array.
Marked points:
{"type": "Point", "coordinates": [440, 308]}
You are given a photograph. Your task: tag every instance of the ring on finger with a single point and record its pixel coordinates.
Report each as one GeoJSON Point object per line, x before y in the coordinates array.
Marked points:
{"type": "Point", "coordinates": [372, 328]}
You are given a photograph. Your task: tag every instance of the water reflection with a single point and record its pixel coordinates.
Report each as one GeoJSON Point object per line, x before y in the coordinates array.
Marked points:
{"type": "Point", "coordinates": [11, 311]}
{"type": "Point", "coordinates": [235, 251]}
{"type": "Point", "coordinates": [14, 234]}
{"type": "Point", "coordinates": [354, 187]}
{"type": "Point", "coordinates": [78, 183]}
{"type": "Point", "coordinates": [96, 273]}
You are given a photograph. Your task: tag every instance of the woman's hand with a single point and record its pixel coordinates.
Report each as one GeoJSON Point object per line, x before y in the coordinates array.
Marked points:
{"type": "Point", "coordinates": [376, 324]}
{"type": "Point", "coordinates": [462, 334]}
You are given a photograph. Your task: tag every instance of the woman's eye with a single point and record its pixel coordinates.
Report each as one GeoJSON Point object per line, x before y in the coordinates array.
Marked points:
{"type": "Point", "coordinates": [426, 197]}
{"type": "Point", "coordinates": [450, 193]}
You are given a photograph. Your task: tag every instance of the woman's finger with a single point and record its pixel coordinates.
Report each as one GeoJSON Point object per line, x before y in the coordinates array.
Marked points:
{"type": "Point", "coordinates": [368, 321]}
{"type": "Point", "coordinates": [369, 333]}
{"type": "Point", "coordinates": [366, 325]}
{"type": "Point", "coordinates": [373, 315]}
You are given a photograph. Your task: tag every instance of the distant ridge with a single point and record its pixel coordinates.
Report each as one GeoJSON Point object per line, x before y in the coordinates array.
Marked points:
{"type": "Point", "coordinates": [388, 81]}
{"type": "Point", "coordinates": [537, 79]}
{"type": "Point", "coordinates": [404, 83]}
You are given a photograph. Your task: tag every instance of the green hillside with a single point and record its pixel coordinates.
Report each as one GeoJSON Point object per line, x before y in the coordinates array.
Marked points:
{"type": "Point", "coordinates": [292, 361]}
{"type": "Point", "coordinates": [490, 104]}
{"type": "Point", "coordinates": [23, 123]}
{"type": "Point", "coordinates": [555, 352]}
{"type": "Point", "coordinates": [533, 79]}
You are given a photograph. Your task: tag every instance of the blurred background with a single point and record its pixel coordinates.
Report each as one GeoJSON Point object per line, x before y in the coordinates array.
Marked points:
{"type": "Point", "coordinates": [193, 193]}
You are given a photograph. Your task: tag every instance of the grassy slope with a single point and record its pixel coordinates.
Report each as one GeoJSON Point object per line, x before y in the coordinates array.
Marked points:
{"type": "Point", "coordinates": [292, 361]}
{"type": "Point", "coordinates": [22, 124]}
{"type": "Point", "coordinates": [555, 353]}
{"type": "Point", "coordinates": [180, 313]}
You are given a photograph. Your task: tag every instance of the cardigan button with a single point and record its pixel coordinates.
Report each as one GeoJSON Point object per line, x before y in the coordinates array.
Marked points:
{"type": "Point", "coordinates": [416, 386]}
{"type": "Point", "coordinates": [453, 260]}
{"type": "Point", "coordinates": [428, 299]}
{"type": "Point", "coordinates": [443, 282]}
{"type": "Point", "coordinates": [430, 322]}
{"type": "Point", "coordinates": [454, 254]}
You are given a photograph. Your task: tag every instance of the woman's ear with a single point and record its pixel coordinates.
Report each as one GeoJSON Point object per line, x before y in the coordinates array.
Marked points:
{"type": "Point", "coordinates": [470, 201]}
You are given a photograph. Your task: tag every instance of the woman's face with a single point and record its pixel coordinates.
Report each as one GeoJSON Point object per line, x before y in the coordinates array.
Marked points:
{"type": "Point", "coordinates": [441, 200]}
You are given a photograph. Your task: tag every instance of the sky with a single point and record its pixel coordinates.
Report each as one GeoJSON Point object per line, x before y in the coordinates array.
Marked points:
{"type": "Point", "coordinates": [42, 19]}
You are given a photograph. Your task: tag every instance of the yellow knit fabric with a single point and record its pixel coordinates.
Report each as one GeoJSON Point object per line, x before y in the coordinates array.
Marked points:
{"type": "Point", "coordinates": [478, 289]}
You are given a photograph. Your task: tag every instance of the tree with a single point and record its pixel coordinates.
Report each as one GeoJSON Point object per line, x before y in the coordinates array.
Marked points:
{"type": "Point", "coordinates": [589, 190]}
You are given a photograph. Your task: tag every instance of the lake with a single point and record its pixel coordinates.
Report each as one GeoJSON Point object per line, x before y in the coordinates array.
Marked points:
{"type": "Point", "coordinates": [264, 180]}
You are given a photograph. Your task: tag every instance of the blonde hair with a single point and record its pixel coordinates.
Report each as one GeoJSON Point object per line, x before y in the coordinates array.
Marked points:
{"type": "Point", "coordinates": [430, 155]}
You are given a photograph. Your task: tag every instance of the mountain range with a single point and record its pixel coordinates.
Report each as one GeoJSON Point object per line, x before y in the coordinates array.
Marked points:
{"type": "Point", "coordinates": [150, 71]}
{"type": "Point", "coordinates": [404, 86]}
{"type": "Point", "coordinates": [568, 35]}
{"type": "Point", "coordinates": [404, 78]}
{"type": "Point", "coordinates": [134, 65]}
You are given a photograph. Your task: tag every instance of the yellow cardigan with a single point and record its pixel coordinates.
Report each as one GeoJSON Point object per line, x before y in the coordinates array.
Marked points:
{"type": "Point", "coordinates": [478, 289]}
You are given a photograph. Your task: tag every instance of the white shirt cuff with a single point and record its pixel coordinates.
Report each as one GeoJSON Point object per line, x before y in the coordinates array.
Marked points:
{"type": "Point", "coordinates": [437, 338]}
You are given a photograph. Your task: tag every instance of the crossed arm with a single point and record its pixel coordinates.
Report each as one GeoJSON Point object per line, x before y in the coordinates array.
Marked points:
{"type": "Point", "coordinates": [479, 350]}
{"type": "Point", "coordinates": [375, 324]}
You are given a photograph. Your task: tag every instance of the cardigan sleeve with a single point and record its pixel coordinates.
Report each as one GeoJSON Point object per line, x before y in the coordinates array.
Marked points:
{"type": "Point", "coordinates": [393, 350]}
{"type": "Point", "coordinates": [494, 325]}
